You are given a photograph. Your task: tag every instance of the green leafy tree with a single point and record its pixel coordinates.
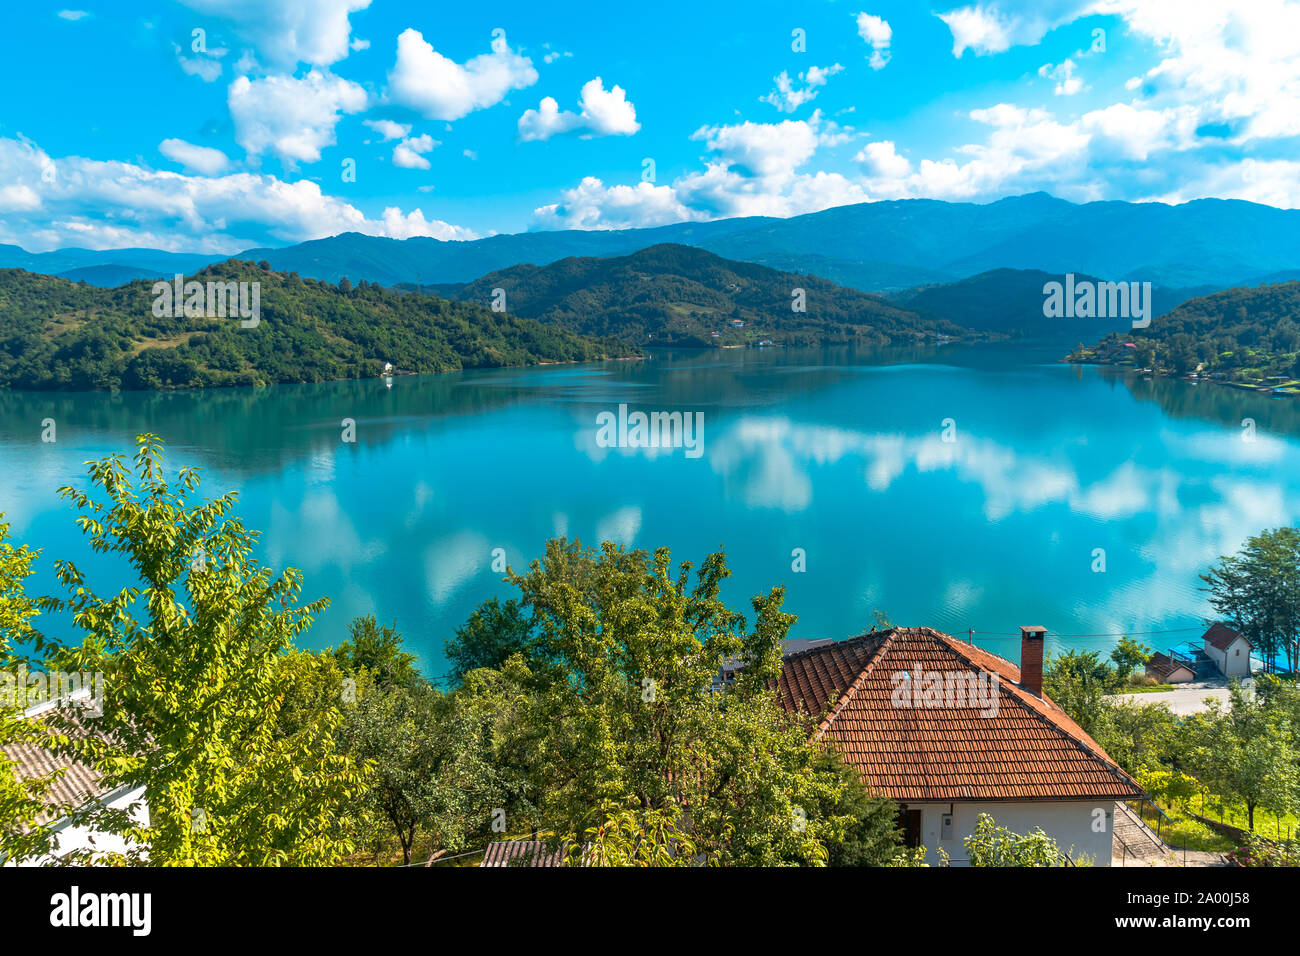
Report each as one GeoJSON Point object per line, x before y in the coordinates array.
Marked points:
{"type": "Point", "coordinates": [23, 799]}
{"type": "Point", "coordinates": [432, 768]}
{"type": "Point", "coordinates": [378, 650]}
{"type": "Point", "coordinates": [635, 837]}
{"type": "Point", "coordinates": [1128, 656]}
{"type": "Point", "coordinates": [626, 709]}
{"type": "Point", "coordinates": [872, 836]}
{"type": "Point", "coordinates": [193, 698]}
{"type": "Point", "coordinates": [494, 633]}
{"type": "Point", "coordinates": [1246, 753]}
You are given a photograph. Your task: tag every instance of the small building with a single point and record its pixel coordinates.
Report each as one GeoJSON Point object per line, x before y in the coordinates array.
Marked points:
{"type": "Point", "coordinates": [1166, 669]}
{"type": "Point", "coordinates": [737, 323]}
{"type": "Point", "coordinates": [987, 741]}
{"type": "Point", "coordinates": [1229, 650]}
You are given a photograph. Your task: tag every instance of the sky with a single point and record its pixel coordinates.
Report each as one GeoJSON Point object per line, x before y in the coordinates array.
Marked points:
{"type": "Point", "coordinates": [219, 125]}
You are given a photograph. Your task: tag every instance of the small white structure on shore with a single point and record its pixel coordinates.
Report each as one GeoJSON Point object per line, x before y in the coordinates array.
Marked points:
{"type": "Point", "coordinates": [1229, 650]}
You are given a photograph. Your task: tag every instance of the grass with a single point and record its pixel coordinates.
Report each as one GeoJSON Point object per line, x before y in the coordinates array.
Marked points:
{"type": "Point", "coordinates": [1149, 689]}
{"type": "Point", "coordinates": [1267, 824]}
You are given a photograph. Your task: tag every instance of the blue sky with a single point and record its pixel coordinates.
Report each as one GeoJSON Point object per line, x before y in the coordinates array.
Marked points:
{"type": "Point", "coordinates": [216, 125]}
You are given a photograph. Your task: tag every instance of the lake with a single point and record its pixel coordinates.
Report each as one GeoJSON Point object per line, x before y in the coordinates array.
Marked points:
{"type": "Point", "coordinates": [962, 487]}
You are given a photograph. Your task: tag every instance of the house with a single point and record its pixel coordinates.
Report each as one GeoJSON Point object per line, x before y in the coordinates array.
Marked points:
{"type": "Point", "coordinates": [950, 731]}
{"type": "Point", "coordinates": [737, 323]}
{"type": "Point", "coordinates": [1166, 669]}
{"type": "Point", "coordinates": [1228, 649]}
{"type": "Point", "coordinates": [78, 786]}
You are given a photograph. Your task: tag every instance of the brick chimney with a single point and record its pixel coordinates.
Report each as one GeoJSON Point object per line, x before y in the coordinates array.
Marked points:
{"type": "Point", "coordinates": [1031, 659]}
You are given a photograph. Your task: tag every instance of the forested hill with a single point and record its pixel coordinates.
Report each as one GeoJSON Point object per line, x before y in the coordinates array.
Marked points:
{"type": "Point", "coordinates": [1246, 335]}
{"type": "Point", "coordinates": [56, 334]}
{"type": "Point", "coordinates": [678, 295]}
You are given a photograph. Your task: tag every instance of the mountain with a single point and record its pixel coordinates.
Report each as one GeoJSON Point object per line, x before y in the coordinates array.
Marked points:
{"type": "Point", "coordinates": [874, 247]}
{"type": "Point", "coordinates": [677, 295]}
{"type": "Point", "coordinates": [880, 246]}
{"type": "Point", "coordinates": [1245, 335]}
{"type": "Point", "coordinates": [1011, 300]}
{"type": "Point", "coordinates": [147, 261]}
{"type": "Point", "coordinates": [109, 276]}
{"type": "Point", "coordinates": [60, 335]}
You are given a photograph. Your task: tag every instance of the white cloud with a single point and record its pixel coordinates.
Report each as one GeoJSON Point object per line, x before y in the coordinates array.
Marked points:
{"type": "Point", "coordinates": [72, 15]}
{"type": "Point", "coordinates": [787, 98]}
{"type": "Point", "coordinates": [359, 44]}
{"type": "Point", "coordinates": [601, 113]}
{"type": "Point", "coordinates": [995, 27]}
{"type": "Point", "coordinates": [287, 32]}
{"type": "Point", "coordinates": [593, 205]}
{"type": "Point", "coordinates": [1067, 84]}
{"type": "Point", "coordinates": [389, 129]}
{"type": "Point", "coordinates": [879, 35]}
{"type": "Point", "coordinates": [75, 201]}
{"type": "Point", "coordinates": [293, 118]}
{"type": "Point", "coordinates": [408, 153]}
{"type": "Point", "coordinates": [440, 88]}
{"type": "Point", "coordinates": [198, 159]}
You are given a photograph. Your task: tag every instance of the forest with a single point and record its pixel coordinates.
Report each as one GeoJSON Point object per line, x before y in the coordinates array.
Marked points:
{"type": "Point", "coordinates": [65, 336]}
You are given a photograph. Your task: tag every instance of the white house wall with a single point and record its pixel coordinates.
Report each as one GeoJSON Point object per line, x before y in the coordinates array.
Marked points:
{"type": "Point", "coordinates": [1070, 824]}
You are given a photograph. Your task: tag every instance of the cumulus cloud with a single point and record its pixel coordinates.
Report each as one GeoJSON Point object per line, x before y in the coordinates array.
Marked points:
{"type": "Point", "coordinates": [601, 113]}
{"type": "Point", "coordinates": [408, 154]}
{"type": "Point", "coordinates": [74, 201]}
{"type": "Point", "coordinates": [294, 118]}
{"type": "Point", "coordinates": [593, 205]}
{"type": "Point", "coordinates": [287, 32]}
{"type": "Point", "coordinates": [440, 88]}
{"type": "Point", "coordinates": [752, 170]}
{"type": "Point", "coordinates": [878, 35]}
{"type": "Point", "coordinates": [787, 97]}
{"type": "Point", "coordinates": [197, 159]}
{"type": "Point", "coordinates": [388, 129]}
{"type": "Point", "coordinates": [986, 28]}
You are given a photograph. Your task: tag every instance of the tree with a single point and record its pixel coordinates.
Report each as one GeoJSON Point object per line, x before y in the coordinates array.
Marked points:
{"type": "Point", "coordinates": [1246, 753]}
{"type": "Point", "coordinates": [626, 709]}
{"type": "Point", "coordinates": [1078, 683]}
{"type": "Point", "coordinates": [23, 799]}
{"type": "Point", "coordinates": [494, 633]}
{"type": "Point", "coordinates": [872, 836]}
{"type": "Point", "coordinates": [431, 765]}
{"type": "Point", "coordinates": [378, 650]}
{"type": "Point", "coordinates": [1258, 592]}
{"type": "Point", "coordinates": [193, 698]}
{"type": "Point", "coordinates": [1130, 654]}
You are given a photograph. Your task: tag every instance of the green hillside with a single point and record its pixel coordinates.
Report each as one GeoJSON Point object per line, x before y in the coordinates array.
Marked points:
{"type": "Point", "coordinates": [60, 335]}
{"type": "Point", "coordinates": [1246, 336]}
{"type": "Point", "coordinates": [678, 295]}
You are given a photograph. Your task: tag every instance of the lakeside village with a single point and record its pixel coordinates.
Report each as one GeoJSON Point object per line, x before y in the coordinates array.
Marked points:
{"type": "Point", "coordinates": [902, 746]}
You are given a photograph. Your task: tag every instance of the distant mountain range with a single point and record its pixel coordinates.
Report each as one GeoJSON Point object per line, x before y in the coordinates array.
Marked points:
{"type": "Point", "coordinates": [887, 246]}
{"type": "Point", "coordinates": [678, 295]}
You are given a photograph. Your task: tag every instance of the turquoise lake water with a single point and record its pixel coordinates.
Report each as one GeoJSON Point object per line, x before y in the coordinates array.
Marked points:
{"type": "Point", "coordinates": [840, 453]}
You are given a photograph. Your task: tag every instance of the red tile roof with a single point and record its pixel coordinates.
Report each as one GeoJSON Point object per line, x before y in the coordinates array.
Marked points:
{"type": "Point", "coordinates": [524, 853]}
{"type": "Point", "coordinates": [1029, 749]}
{"type": "Point", "coordinates": [1162, 665]}
{"type": "Point", "coordinates": [1221, 636]}
{"type": "Point", "coordinates": [76, 786]}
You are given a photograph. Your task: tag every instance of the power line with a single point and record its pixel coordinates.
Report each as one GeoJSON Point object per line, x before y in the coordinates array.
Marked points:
{"type": "Point", "coordinates": [1170, 630]}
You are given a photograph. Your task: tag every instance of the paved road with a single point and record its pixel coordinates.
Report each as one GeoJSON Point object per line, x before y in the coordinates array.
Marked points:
{"type": "Point", "coordinates": [1187, 699]}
